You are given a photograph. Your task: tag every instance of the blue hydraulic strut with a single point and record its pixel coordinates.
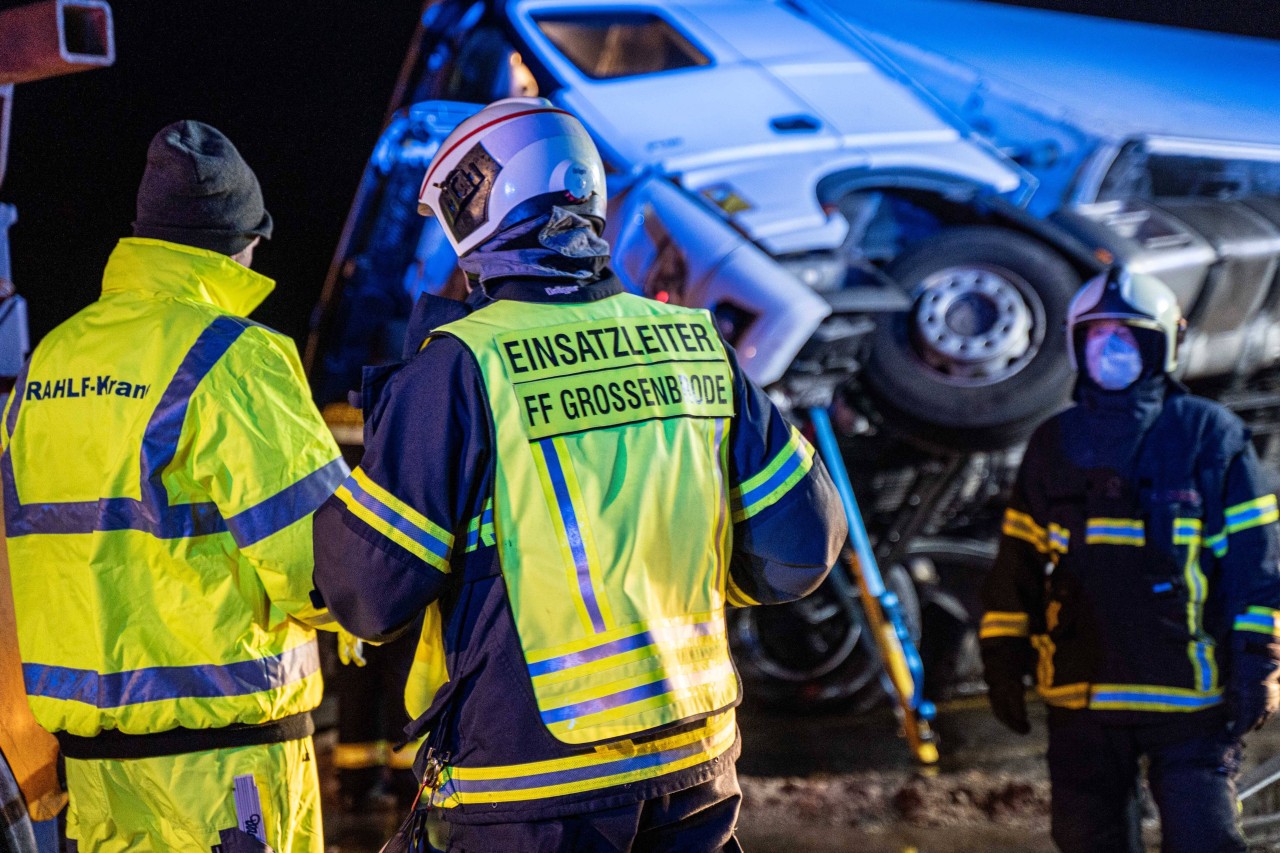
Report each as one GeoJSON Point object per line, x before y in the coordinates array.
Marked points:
{"type": "Point", "coordinates": [908, 687]}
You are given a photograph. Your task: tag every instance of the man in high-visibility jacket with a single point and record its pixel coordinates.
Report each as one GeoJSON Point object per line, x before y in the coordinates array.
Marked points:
{"type": "Point", "coordinates": [573, 482]}
{"type": "Point", "coordinates": [1138, 577]}
{"type": "Point", "coordinates": [162, 458]}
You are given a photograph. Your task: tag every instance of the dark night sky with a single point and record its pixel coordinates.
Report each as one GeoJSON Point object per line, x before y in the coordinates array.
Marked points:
{"type": "Point", "coordinates": [301, 88]}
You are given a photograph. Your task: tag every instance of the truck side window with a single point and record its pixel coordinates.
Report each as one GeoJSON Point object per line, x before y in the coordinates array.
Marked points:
{"type": "Point", "coordinates": [607, 46]}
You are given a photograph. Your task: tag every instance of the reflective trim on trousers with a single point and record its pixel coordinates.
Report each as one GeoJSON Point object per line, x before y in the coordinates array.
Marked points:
{"type": "Point", "coordinates": [1115, 531]}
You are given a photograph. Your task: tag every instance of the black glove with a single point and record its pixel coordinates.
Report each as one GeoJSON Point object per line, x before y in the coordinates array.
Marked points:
{"type": "Point", "coordinates": [1005, 661]}
{"type": "Point", "coordinates": [1009, 703]}
{"type": "Point", "coordinates": [1250, 705]}
{"type": "Point", "coordinates": [1253, 694]}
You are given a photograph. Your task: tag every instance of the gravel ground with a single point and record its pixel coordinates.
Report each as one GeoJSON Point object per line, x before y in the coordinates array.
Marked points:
{"type": "Point", "coordinates": [871, 811]}
{"type": "Point", "coordinates": [817, 783]}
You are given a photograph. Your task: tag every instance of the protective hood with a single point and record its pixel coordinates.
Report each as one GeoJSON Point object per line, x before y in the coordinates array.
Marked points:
{"type": "Point", "coordinates": [1114, 422]}
{"type": "Point", "coordinates": [562, 244]}
{"type": "Point", "coordinates": [145, 265]}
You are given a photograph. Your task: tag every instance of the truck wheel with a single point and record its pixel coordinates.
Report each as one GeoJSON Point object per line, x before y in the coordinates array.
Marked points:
{"type": "Point", "coordinates": [951, 608]}
{"type": "Point", "coordinates": [815, 654]}
{"type": "Point", "coordinates": [980, 357]}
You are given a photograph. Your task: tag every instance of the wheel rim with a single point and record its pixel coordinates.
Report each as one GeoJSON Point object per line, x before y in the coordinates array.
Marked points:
{"type": "Point", "coordinates": [976, 325]}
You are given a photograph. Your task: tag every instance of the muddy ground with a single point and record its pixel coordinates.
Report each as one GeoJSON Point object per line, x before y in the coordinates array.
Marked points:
{"type": "Point", "coordinates": [832, 782]}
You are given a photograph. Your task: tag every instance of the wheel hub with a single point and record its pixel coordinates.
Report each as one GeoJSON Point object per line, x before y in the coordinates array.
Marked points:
{"type": "Point", "coordinates": [974, 325]}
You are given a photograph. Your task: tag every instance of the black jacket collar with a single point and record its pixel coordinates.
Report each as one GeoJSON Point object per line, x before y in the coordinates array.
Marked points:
{"type": "Point", "coordinates": [550, 289]}
{"type": "Point", "coordinates": [432, 312]}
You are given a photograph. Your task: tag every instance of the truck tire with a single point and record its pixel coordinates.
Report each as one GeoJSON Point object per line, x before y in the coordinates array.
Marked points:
{"type": "Point", "coordinates": [815, 654]}
{"type": "Point", "coordinates": [951, 608]}
{"type": "Point", "coordinates": [980, 358]}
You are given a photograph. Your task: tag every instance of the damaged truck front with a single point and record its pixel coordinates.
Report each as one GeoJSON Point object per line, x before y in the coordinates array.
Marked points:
{"type": "Point", "coordinates": [856, 241]}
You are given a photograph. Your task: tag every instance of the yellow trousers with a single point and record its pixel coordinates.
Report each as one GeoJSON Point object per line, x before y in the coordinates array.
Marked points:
{"type": "Point", "coordinates": [180, 802]}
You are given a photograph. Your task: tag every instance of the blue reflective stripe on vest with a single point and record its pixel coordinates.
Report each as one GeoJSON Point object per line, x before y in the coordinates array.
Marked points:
{"type": "Point", "coordinates": [1134, 698]}
{"type": "Point", "coordinates": [288, 505]}
{"type": "Point", "coordinates": [204, 681]}
{"type": "Point", "coordinates": [615, 647]}
{"type": "Point", "coordinates": [605, 703]}
{"type": "Point", "coordinates": [631, 695]}
{"type": "Point", "coordinates": [569, 517]}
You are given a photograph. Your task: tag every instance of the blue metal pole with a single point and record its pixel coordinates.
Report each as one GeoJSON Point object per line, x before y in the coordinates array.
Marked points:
{"type": "Point", "coordinates": [867, 565]}
{"type": "Point", "coordinates": [840, 476]}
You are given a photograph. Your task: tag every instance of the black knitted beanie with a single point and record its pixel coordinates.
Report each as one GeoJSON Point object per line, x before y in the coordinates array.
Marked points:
{"type": "Point", "coordinates": [198, 190]}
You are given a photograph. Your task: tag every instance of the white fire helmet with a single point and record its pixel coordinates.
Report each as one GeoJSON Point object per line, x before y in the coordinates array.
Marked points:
{"type": "Point", "coordinates": [512, 161]}
{"type": "Point", "coordinates": [1135, 299]}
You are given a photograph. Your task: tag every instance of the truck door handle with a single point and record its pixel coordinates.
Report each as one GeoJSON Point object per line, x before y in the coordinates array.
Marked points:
{"type": "Point", "coordinates": [795, 124]}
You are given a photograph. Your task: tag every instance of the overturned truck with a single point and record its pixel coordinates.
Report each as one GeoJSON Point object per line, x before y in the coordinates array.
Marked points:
{"type": "Point", "coordinates": [857, 241]}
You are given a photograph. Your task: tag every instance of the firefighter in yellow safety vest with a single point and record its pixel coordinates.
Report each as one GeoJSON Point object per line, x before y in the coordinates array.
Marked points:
{"type": "Point", "coordinates": [568, 484]}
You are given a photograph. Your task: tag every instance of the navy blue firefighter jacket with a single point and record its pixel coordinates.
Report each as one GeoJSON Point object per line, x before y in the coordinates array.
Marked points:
{"type": "Point", "coordinates": [1139, 567]}
{"type": "Point", "coordinates": [430, 455]}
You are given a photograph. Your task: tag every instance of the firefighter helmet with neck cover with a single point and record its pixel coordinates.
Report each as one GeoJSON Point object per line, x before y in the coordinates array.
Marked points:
{"type": "Point", "coordinates": [513, 161]}
{"type": "Point", "coordinates": [1134, 299]}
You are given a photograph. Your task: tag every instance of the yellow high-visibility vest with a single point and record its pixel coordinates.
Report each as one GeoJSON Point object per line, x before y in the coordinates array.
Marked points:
{"type": "Point", "coordinates": [610, 508]}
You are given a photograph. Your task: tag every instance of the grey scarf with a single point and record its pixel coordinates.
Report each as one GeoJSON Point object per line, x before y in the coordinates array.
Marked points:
{"type": "Point", "coordinates": [559, 245]}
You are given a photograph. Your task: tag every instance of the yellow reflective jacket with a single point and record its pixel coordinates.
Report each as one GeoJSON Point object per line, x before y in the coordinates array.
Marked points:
{"type": "Point", "coordinates": [162, 458]}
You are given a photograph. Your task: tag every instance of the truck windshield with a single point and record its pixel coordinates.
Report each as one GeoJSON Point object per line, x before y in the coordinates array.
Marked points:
{"type": "Point", "coordinates": [608, 46]}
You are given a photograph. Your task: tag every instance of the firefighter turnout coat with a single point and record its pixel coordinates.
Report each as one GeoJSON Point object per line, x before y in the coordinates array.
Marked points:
{"type": "Point", "coordinates": [162, 458]}
{"type": "Point", "coordinates": [573, 482]}
{"type": "Point", "coordinates": [1139, 547]}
